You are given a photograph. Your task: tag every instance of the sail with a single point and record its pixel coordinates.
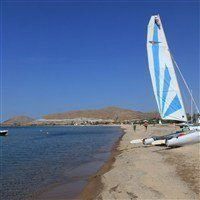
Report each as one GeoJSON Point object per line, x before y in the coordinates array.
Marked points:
{"type": "Point", "coordinates": [163, 77]}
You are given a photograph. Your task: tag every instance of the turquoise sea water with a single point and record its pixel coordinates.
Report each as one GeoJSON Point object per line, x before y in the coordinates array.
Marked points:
{"type": "Point", "coordinates": [37, 160]}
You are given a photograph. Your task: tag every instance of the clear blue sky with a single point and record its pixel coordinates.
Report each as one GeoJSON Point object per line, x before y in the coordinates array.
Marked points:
{"type": "Point", "coordinates": [63, 56]}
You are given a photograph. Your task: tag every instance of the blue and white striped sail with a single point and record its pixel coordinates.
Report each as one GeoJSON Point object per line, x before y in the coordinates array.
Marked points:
{"type": "Point", "coordinates": [163, 77]}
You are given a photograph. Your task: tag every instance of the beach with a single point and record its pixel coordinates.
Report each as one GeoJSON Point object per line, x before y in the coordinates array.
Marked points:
{"type": "Point", "coordinates": [151, 172]}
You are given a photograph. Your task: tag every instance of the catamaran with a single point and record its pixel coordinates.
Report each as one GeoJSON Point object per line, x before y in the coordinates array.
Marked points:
{"type": "Point", "coordinates": [166, 89]}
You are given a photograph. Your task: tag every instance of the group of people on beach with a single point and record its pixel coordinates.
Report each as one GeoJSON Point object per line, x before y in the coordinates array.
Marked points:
{"type": "Point", "coordinates": [145, 125]}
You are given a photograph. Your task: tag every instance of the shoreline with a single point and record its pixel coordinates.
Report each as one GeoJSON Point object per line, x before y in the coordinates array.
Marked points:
{"type": "Point", "coordinates": [94, 184]}
{"type": "Point", "coordinates": [79, 178]}
{"type": "Point", "coordinates": [151, 172]}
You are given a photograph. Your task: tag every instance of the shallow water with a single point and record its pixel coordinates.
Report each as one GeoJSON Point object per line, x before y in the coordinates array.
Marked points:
{"type": "Point", "coordinates": [37, 160]}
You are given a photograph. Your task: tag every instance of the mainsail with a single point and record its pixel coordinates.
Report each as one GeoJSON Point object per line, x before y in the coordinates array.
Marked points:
{"type": "Point", "coordinates": [163, 77]}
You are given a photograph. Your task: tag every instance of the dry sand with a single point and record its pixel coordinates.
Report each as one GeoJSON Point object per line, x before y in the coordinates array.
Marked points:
{"type": "Point", "coordinates": [153, 172]}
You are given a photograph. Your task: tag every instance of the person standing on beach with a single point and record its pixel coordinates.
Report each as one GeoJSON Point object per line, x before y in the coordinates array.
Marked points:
{"type": "Point", "coordinates": [145, 125]}
{"type": "Point", "coordinates": [134, 127]}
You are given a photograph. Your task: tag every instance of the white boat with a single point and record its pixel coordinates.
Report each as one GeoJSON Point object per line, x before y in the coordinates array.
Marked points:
{"type": "Point", "coordinates": [3, 132]}
{"type": "Point", "coordinates": [189, 126]}
{"type": "Point", "coordinates": [191, 138]}
{"type": "Point", "coordinates": [165, 85]}
{"type": "Point", "coordinates": [136, 141]}
{"type": "Point", "coordinates": [194, 127]}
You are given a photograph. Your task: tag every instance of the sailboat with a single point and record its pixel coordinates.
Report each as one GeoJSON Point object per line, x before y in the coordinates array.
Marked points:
{"type": "Point", "coordinates": [165, 86]}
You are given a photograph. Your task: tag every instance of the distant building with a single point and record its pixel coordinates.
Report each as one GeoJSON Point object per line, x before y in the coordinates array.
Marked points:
{"type": "Point", "coordinates": [76, 121]}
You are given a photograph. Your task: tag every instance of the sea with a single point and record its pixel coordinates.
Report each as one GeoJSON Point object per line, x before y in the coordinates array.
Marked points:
{"type": "Point", "coordinates": [52, 162]}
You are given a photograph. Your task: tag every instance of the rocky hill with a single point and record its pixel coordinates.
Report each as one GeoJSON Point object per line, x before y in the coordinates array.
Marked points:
{"type": "Point", "coordinates": [18, 119]}
{"type": "Point", "coordinates": [110, 112]}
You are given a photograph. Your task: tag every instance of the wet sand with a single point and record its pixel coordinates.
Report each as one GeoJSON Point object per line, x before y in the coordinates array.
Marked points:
{"type": "Point", "coordinates": [153, 172]}
{"type": "Point", "coordinates": [95, 186]}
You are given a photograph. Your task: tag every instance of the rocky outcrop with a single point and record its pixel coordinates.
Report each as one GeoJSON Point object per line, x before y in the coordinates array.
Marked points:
{"type": "Point", "coordinates": [18, 120]}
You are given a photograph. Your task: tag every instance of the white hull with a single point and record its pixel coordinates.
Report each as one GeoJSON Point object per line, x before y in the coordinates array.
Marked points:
{"type": "Point", "coordinates": [3, 132]}
{"type": "Point", "coordinates": [154, 140]}
{"type": "Point", "coordinates": [151, 141]}
{"type": "Point", "coordinates": [190, 138]}
{"type": "Point", "coordinates": [158, 142]}
{"type": "Point", "coordinates": [136, 141]}
{"type": "Point", "coordinates": [193, 127]}
{"type": "Point", "coordinates": [148, 141]}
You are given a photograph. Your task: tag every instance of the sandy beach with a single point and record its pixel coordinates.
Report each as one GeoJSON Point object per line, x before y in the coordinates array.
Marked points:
{"type": "Point", "coordinates": [153, 172]}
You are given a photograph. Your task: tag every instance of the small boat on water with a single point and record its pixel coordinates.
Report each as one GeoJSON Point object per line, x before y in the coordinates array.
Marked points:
{"type": "Point", "coordinates": [3, 132]}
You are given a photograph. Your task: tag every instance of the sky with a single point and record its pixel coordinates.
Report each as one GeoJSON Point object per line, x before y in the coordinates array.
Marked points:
{"type": "Point", "coordinates": [68, 55]}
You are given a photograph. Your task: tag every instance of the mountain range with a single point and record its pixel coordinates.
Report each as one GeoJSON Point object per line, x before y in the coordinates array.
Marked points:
{"type": "Point", "coordinates": [111, 112]}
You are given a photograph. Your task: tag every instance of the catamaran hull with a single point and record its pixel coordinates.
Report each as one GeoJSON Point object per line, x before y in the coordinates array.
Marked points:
{"type": "Point", "coordinates": [194, 127]}
{"type": "Point", "coordinates": [153, 139]}
{"type": "Point", "coordinates": [138, 141]}
{"type": "Point", "coordinates": [159, 139]}
{"type": "Point", "coordinates": [187, 139]}
{"type": "Point", "coordinates": [158, 142]}
{"type": "Point", "coordinates": [148, 141]}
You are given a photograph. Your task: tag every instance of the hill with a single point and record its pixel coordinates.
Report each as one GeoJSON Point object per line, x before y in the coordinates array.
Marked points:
{"type": "Point", "coordinates": [18, 119]}
{"type": "Point", "coordinates": [110, 112]}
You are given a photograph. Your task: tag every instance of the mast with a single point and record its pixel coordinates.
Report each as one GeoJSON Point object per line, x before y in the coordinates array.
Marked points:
{"type": "Point", "coordinates": [191, 109]}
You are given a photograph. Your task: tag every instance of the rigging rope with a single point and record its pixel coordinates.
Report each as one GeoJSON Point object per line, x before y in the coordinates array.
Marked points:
{"type": "Point", "coordinates": [189, 91]}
